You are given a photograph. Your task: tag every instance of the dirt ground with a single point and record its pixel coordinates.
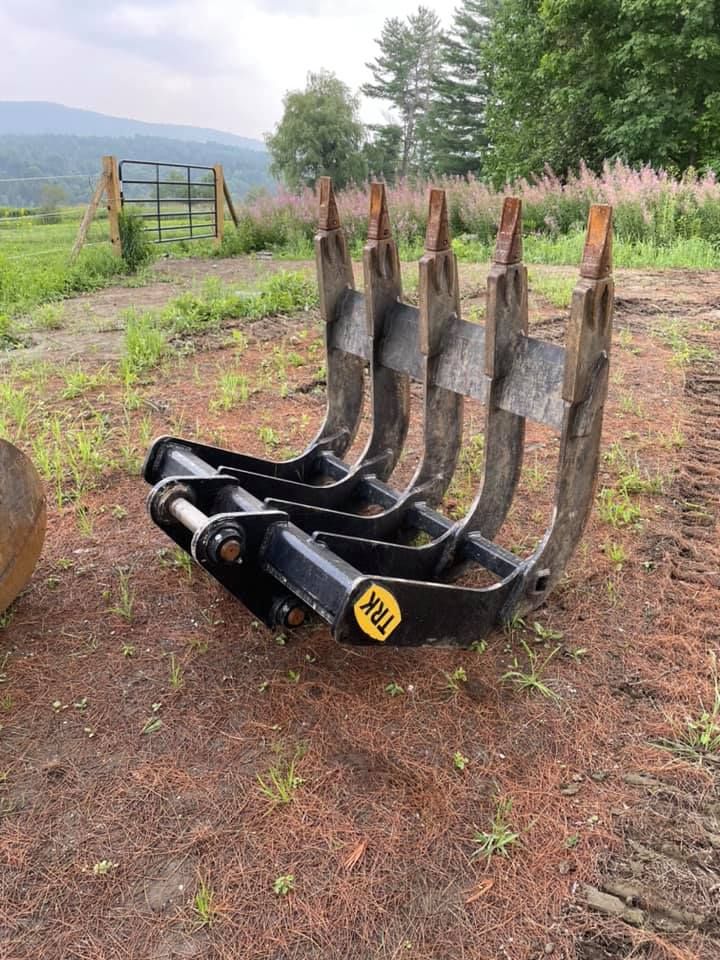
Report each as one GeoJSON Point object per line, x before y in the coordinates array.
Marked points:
{"type": "Point", "coordinates": [139, 703]}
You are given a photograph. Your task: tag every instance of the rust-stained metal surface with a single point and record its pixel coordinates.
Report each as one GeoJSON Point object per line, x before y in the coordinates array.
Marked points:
{"type": "Point", "coordinates": [22, 521]}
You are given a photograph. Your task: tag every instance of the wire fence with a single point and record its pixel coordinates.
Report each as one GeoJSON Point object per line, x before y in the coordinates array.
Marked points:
{"type": "Point", "coordinates": [47, 222]}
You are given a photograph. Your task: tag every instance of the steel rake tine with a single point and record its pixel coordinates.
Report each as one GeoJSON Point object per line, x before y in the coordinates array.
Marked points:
{"type": "Point", "coordinates": [389, 390]}
{"type": "Point", "coordinates": [584, 392]}
{"type": "Point", "coordinates": [345, 372]}
{"type": "Point", "coordinates": [439, 309]}
{"type": "Point", "coordinates": [506, 322]}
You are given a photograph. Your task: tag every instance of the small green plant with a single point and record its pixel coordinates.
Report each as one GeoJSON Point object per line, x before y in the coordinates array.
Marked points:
{"type": "Point", "coordinates": [478, 646]}
{"type": "Point", "coordinates": [280, 782]}
{"type": "Point", "coordinates": [126, 600]}
{"type": "Point", "coordinates": [531, 679]}
{"type": "Point", "coordinates": [456, 679]}
{"type": "Point", "coordinates": [204, 905]}
{"type": "Point", "coordinates": [501, 835]}
{"type": "Point", "coordinates": [293, 676]}
{"type": "Point", "coordinates": [615, 552]}
{"type": "Point", "coordinates": [176, 673]}
{"type": "Point", "coordinates": [144, 346]}
{"type": "Point", "coordinates": [136, 248]}
{"type": "Point", "coordinates": [103, 867]}
{"type": "Point", "coordinates": [616, 508]}
{"type": "Point", "coordinates": [632, 481]}
{"type": "Point", "coordinates": [459, 761]}
{"type": "Point", "coordinates": [268, 436]}
{"type": "Point", "coordinates": [284, 885]}
{"type": "Point", "coordinates": [232, 390]}
{"type": "Point", "coordinates": [128, 650]}
{"type": "Point", "coordinates": [698, 739]}
{"type": "Point", "coordinates": [49, 316]}
{"type": "Point", "coordinates": [546, 634]}
{"type": "Point", "coordinates": [152, 725]}
{"type": "Point", "coordinates": [394, 689]}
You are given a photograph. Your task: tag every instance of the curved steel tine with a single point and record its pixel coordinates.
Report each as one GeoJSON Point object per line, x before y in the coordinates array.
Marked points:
{"type": "Point", "coordinates": [439, 304]}
{"type": "Point", "coordinates": [345, 373]}
{"type": "Point", "coordinates": [443, 408]}
{"type": "Point", "coordinates": [506, 322]}
{"type": "Point", "coordinates": [584, 392]}
{"type": "Point", "coordinates": [389, 390]}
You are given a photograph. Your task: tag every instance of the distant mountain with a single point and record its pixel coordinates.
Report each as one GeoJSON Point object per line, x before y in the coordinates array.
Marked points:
{"type": "Point", "coordinates": [30, 117]}
{"type": "Point", "coordinates": [31, 164]}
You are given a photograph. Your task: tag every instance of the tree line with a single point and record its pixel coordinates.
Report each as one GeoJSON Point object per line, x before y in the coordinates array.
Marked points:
{"type": "Point", "coordinates": [514, 86]}
{"type": "Point", "coordinates": [24, 156]}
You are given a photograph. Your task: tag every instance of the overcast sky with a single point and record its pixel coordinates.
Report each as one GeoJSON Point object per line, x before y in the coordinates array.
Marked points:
{"type": "Point", "coordinates": [212, 63]}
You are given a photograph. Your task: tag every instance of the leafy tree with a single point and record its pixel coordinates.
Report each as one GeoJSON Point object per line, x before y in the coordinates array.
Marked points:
{"type": "Point", "coordinates": [382, 151]}
{"type": "Point", "coordinates": [666, 105]}
{"type": "Point", "coordinates": [320, 134]}
{"type": "Point", "coordinates": [404, 74]}
{"type": "Point", "coordinates": [456, 123]}
{"type": "Point", "coordinates": [591, 79]}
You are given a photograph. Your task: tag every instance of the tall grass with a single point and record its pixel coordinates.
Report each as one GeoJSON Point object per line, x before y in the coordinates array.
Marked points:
{"type": "Point", "coordinates": [659, 220]}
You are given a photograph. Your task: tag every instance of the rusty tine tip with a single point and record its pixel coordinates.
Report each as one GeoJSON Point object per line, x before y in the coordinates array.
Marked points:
{"type": "Point", "coordinates": [508, 245]}
{"type": "Point", "coordinates": [597, 254]}
{"type": "Point", "coordinates": [379, 226]}
{"type": "Point", "coordinates": [329, 218]}
{"type": "Point", "coordinates": [437, 236]}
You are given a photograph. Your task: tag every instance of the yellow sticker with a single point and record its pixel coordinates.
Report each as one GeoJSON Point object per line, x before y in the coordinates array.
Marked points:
{"type": "Point", "coordinates": [377, 613]}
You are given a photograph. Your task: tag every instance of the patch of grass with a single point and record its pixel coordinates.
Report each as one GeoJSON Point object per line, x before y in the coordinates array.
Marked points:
{"type": "Point", "coordinates": [48, 316]}
{"type": "Point", "coordinates": [531, 678]}
{"type": "Point", "coordinates": [144, 345]}
{"type": "Point", "coordinates": [78, 382]}
{"type": "Point", "coordinates": [137, 249]}
{"type": "Point", "coordinates": [501, 836]}
{"type": "Point", "coordinates": [684, 351]}
{"type": "Point", "coordinates": [616, 554]}
{"type": "Point", "coordinates": [697, 740]}
{"type": "Point", "coordinates": [204, 905]}
{"type": "Point", "coordinates": [557, 290]}
{"type": "Point", "coordinates": [232, 389]}
{"type": "Point", "coordinates": [616, 508]}
{"type": "Point", "coordinates": [125, 597]}
{"type": "Point", "coordinates": [394, 689]}
{"type": "Point", "coordinates": [280, 782]}
{"type": "Point", "coordinates": [176, 673]}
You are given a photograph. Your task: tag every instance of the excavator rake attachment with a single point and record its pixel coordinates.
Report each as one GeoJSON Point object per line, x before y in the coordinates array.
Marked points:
{"type": "Point", "coordinates": [380, 564]}
{"type": "Point", "coordinates": [22, 521]}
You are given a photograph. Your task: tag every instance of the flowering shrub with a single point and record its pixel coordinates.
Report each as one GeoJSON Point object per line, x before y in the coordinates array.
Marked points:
{"type": "Point", "coordinates": [650, 207]}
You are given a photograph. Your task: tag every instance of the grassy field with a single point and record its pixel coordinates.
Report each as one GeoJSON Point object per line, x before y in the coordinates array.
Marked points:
{"type": "Point", "coordinates": [660, 223]}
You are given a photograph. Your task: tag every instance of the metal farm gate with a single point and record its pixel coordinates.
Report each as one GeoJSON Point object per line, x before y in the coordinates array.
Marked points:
{"type": "Point", "coordinates": [177, 201]}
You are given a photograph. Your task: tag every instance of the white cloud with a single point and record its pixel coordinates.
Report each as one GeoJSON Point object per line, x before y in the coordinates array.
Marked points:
{"type": "Point", "coordinates": [223, 63]}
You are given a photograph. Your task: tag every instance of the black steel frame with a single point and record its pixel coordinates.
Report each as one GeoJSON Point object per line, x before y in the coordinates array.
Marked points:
{"type": "Point", "coordinates": [196, 221]}
{"type": "Point", "coordinates": [315, 533]}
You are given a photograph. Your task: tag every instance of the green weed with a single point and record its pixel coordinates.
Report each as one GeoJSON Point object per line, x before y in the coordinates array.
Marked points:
{"type": "Point", "coordinates": [280, 782]}
{"type": "Point", "coordinates": [531, 678]}
{"type": "Point", "coordinates": [501, 836]}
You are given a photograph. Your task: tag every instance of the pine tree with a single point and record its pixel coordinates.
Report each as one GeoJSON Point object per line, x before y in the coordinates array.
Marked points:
{"type": "Point", "coordinates": [404, 75]}
{"type": "Point", "coordinates": [456, 123]}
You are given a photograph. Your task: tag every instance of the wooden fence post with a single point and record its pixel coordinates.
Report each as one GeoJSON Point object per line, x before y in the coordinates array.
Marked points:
{"type": "Point", "coordinates": [219, 203]}
{"type": "Point", "coordinates": [112, 189]}
{"type": "Point", "coordinates": [230, 204]}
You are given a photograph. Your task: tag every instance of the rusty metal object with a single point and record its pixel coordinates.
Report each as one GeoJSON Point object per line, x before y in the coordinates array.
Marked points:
{"type": "Point", "coordinates": [379, 564]}
{"type": "Point", "coordinates": [22, 521]}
